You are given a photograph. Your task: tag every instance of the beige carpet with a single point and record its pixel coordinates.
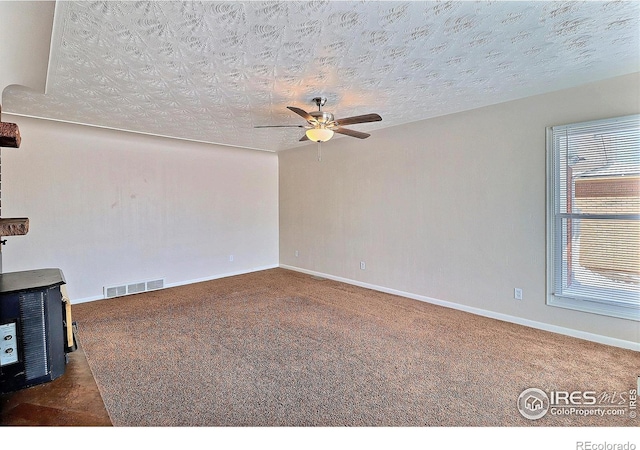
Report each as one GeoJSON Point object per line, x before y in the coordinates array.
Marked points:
{"type": "Point", "coordinates": [280, 348]}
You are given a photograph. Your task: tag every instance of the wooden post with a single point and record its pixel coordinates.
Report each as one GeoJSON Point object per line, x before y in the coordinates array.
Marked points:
{"type": "Point", "coordinates": [14, 227]}
{"type": "Point", "coordinates": [9, 134]}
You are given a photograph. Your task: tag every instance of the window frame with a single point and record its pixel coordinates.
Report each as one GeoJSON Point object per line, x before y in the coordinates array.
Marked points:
{"type": "Point", "coordinates": [554, 236]}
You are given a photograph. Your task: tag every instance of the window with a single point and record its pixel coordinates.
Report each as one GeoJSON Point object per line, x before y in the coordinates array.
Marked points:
{"type": "Point", "coordinates": [593, 218]}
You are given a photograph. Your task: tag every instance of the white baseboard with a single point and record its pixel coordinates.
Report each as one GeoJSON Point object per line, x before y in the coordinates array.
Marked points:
{"type": "Point", "coordinates": [481, 312]}
{"type": "Point", "coordinates": [221, 275]}
{"type": "Point", "coordinates": [87, 299]}
{"type": "Point", "coordinates": [185, 282]}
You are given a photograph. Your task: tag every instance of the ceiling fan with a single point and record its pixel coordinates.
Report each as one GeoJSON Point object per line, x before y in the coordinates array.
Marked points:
{"type": "Point", "coordinates": [321, 125]}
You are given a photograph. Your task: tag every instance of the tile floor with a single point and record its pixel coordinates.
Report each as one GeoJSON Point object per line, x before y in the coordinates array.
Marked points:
{"type": "Point", "coordinates": [70, 400]}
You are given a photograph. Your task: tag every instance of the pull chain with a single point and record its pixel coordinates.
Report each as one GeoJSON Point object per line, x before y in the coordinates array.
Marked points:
{"type": "Point", "coordinates": [319, 151]}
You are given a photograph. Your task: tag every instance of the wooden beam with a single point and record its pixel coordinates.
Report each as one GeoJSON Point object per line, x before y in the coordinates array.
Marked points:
{"type": "Point", "coordinates": [14, 227]}
{"type": "Point", "coordinates": [9, 134]}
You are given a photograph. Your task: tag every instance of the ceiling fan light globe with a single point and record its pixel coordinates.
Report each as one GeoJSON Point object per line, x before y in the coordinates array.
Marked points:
{"type": "Point", "coordinates": [319, 134]}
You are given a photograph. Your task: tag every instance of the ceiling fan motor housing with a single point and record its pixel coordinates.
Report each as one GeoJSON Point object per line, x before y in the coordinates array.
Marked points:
{"type": "Point", "coordinates": [323, 118]}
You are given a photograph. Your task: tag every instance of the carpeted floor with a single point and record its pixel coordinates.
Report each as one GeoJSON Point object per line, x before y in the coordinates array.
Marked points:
{"type": "Point", "coordinates": [280, 348]}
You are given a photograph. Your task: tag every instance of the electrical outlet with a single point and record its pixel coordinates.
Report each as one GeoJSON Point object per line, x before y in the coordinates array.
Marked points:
{"type": "Point", "coordinates": [230, 258]}
{"type": "Point", "coordinates": [362, 265]}
{"type": "Point", "coordinates": [517, 294]}
{"type": "Point", "coordinates": [297, 253]}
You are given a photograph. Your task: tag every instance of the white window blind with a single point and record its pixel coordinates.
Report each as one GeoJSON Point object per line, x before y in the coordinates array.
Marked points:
{"type": "Point", "coordinates": [594, 216]}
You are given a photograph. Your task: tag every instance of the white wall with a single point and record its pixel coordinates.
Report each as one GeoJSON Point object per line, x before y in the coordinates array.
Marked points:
{"type": "Point", "coordinates": [450, 209]}
{"type": "Point", "coordinates": [110, 207]}
{"type": "Point", "coordinates": [25, 37]}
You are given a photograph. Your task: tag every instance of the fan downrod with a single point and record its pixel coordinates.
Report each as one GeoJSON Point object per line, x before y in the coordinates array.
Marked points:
{"type": "Point", "coordinates": [319, 101]}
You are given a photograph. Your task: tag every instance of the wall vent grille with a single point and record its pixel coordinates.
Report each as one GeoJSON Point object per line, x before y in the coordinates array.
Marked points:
{"type": "Point", "coordinates": [133, 288]}
{"type": "Point", "coordinates": [155, 284]}
{"type": "Point", "coordinates": [115, 291]}
{"type": "Point", "coordinates": [136, 288]}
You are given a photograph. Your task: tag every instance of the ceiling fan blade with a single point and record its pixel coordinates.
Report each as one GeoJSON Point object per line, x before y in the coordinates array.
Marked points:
{"type": "Point", "coordinates": [279, 126]}
{"type": "Point", "coordinates": [302, 113]}
{"type": "Point", "coordinates": [352, 133]}
{"type": "Point", "coordinates": [359, 119]}
{"type": "Point", "coordinates": [304, 138]}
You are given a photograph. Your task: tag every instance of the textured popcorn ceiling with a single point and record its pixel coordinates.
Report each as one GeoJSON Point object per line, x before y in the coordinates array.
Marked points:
{"type": "Point", "coordinates": [211, 71]}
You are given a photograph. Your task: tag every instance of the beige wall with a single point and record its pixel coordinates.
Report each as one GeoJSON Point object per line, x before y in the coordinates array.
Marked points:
{"type": "Point", "coordinates": [451, 208]}
{"type": "Point", "coordinates": [109, 207]}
